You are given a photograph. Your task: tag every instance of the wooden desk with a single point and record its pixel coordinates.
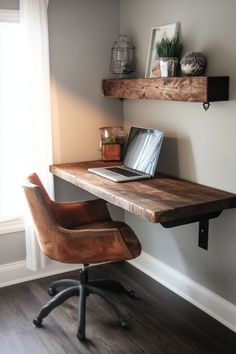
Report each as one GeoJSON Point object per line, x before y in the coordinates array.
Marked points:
{"type": "Point", "coordinates": [163, 199]}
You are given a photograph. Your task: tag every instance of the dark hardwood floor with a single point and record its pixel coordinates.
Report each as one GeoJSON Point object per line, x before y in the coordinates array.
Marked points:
{"type": "Point", "coordinates": [160, 321]}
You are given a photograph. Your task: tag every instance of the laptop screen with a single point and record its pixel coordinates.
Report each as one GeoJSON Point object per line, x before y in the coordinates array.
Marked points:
{"type": "Point", "coordinates": [143, 149]}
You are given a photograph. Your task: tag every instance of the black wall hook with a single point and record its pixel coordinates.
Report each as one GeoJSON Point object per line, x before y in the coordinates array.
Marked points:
{"type": "Point", "coordinates": [206, 105]}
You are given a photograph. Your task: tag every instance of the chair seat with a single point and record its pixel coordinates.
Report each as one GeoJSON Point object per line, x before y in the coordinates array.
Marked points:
{"type": "Point", "coordinates": [130, 240]}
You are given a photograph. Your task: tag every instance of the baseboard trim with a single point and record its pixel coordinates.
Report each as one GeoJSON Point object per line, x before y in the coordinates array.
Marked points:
{"type": "Point", "coordinates": [16, 272]}
{"type": "Point", "coordinates": [211, 303]}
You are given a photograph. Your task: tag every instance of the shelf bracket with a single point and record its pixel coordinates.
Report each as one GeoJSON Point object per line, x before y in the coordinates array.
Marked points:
{"type": "Point", "coordinates": [203, 233]}
{"type": "Point", "coordinates": [206, 105]}
{"type": "Point", "coordinates": [203, 225]}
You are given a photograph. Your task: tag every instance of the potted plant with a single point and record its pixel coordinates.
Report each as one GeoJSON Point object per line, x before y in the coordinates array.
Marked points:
{"type": "Point", "coordinates": [111, 141]}
{"type": "Point", "coordinates": [169, 51]}
{"type": "Point", "coordinates": [111, 150]}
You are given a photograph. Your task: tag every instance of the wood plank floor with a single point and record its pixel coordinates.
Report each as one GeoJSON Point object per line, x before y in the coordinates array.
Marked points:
{"type": "Point", "coordinates": [160, 321]}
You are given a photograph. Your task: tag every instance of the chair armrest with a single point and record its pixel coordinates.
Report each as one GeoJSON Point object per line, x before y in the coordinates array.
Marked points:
{"type": "Point", "coordinates": [70, 215]}
{"type": "Point", "coordinates": [90, 245]}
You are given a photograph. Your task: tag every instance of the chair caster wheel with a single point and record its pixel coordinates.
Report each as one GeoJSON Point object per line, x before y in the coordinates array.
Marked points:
{"type": "Point", "coordinates": [37, 321]}
{"type": "Point", "coordinates": [131, 293]}
{"type": "Point", "coordinates": [123, 323]}
{"type": "Point", "coordinates": [52, 291]}
{"type": "Point", "coordinates": [80, 336]}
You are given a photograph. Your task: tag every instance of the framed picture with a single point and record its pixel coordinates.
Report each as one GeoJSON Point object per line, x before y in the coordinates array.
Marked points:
{"type": "Point", "coordinates": [170, 31]}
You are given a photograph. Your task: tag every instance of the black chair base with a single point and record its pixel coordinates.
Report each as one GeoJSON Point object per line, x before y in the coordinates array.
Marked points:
{"type": "Point", "coordinates": [81, 288]}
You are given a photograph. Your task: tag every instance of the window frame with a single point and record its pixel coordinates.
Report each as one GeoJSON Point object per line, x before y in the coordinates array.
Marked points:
{"type": "Point", "coordinates": [11, 225]}
{"type": "Point", "coordinates": [9, 15]}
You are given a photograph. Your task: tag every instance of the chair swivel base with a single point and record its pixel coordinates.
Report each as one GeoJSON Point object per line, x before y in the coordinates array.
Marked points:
{"type": "Point", "coordinates": [81, 288]}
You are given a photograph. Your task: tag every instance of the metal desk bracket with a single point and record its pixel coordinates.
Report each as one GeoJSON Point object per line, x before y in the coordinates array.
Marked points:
{"type": "Point", "coordinates": [203, 225]}
{"type": "Point", "coordinates": [203, 233]}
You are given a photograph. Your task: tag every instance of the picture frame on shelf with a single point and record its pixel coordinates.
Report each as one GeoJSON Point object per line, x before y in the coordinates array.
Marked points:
{"type": "Point", "coordinates": [169, 31]}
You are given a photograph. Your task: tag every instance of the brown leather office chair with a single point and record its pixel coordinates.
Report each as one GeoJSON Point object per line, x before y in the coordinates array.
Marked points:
{"type": "Point", "coordinates": [83, 233]}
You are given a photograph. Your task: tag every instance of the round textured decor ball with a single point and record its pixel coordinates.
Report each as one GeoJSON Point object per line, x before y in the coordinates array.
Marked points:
{"type": "Point", "coordinates": [193, 64]}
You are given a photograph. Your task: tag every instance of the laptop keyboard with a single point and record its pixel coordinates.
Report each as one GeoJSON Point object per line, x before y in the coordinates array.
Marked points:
{"type": "Point", "coordinates": [123, 172]}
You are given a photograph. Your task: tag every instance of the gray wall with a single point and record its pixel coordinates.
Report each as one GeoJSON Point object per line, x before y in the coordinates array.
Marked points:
{"type": "Point", "coordinates": [12, 247]}
{"type": "Point", "coordinates": [199, 146]}
{"type": "Point", "coordinates": [9, 4]}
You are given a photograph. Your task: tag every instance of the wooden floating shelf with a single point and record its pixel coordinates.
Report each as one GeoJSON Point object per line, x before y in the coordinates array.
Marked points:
{"type": "Point", "coordinates": [188, 89]}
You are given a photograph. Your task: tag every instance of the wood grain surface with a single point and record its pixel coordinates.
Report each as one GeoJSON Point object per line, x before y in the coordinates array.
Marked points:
{"type": "Point", "coordinates": [159, 199]}
{"type": "Point", "coordinates": [160, 322]}
{"type": "Point", "coordinates": [191, 89]}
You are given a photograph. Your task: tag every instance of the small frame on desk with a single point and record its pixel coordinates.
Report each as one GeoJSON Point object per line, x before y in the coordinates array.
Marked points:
{"type": "Point", "coordinates": [170, 31]}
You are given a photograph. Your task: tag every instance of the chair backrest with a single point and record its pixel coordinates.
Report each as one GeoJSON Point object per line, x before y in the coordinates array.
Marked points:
{"type": "Point", "coordinates": [44, 221]}
{"type": "Point", "coordinates": [90, 236]}
{"type": "Point", "coordinates": [34, 179]}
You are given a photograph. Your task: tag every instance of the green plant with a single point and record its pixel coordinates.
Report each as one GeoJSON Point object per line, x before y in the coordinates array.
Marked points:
{"type": "Point", "coordinates": [169, 48]}
{"type": "Point", "coordinates": [110, 140]}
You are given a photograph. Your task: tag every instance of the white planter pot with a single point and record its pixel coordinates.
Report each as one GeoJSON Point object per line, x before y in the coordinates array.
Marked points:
{"type": "Point", "coordinates": [169, 66]}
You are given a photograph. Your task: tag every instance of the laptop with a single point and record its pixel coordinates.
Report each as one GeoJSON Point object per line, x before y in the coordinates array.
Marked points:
{"type": "Point", "coordinates": [141, 156]}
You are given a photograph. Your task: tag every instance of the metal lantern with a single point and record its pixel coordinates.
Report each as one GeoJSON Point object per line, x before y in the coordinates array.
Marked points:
{"type": "Point", "coordinates": [122, 57]}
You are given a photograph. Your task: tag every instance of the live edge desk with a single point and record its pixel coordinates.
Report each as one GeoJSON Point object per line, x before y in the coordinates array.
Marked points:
{"type": "Point", "coordinates": [166, 200]}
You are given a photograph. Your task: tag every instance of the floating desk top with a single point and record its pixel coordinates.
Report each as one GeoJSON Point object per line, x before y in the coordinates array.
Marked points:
{"type": "Point", "coordinates": [163, 199]}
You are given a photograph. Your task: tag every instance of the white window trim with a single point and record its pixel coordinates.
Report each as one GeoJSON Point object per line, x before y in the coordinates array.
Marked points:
{"type": "Point", "coordinates": [9, 15]}
{"type": "Point", "coordinates": [11, 225]}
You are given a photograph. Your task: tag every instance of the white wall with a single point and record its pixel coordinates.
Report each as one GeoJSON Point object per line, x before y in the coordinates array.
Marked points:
{"type": "Point", "coordinates": [81, 34]}
{"type": "Point", "coordinates": [199, 146]}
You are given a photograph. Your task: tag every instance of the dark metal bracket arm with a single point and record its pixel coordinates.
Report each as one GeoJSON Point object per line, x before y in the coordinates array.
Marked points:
{"type": "Point", "coordinates": [203, 225]}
